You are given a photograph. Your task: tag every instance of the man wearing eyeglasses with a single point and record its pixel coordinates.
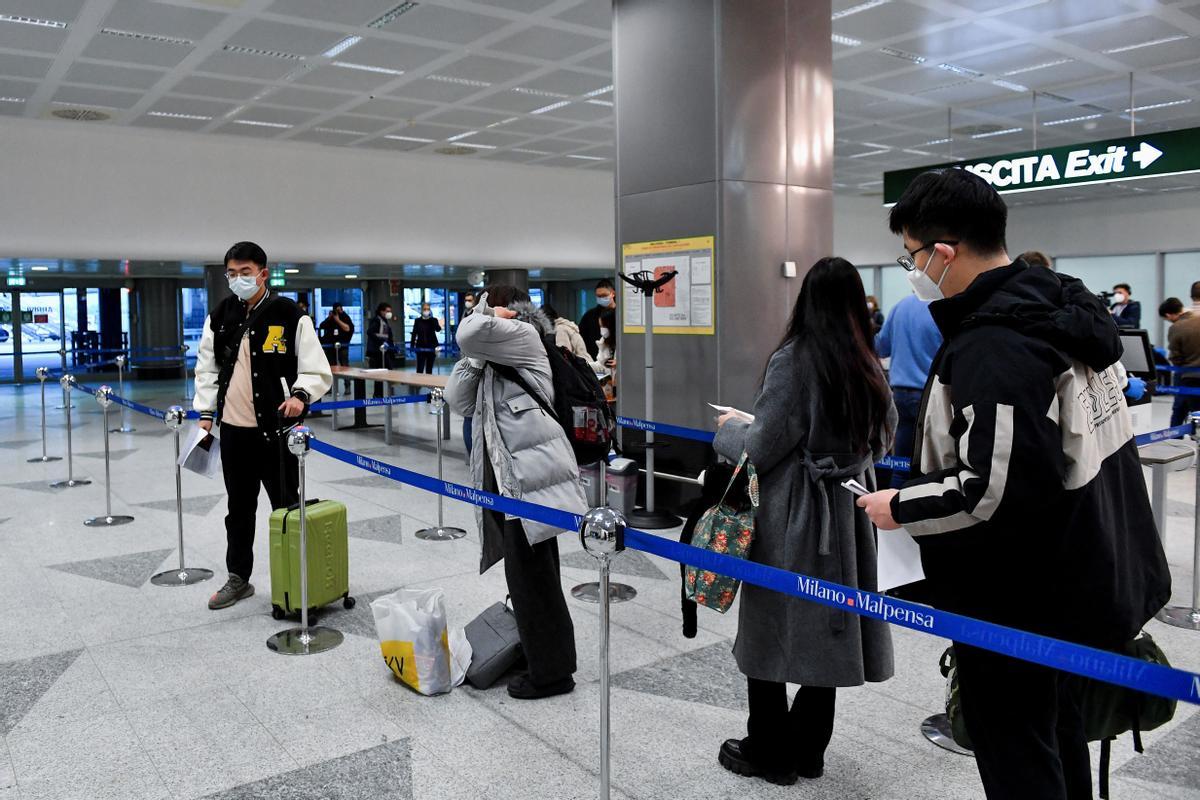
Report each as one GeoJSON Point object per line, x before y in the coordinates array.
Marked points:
{"type": "Point", "coordinates": [1026, 494]}
{"type": "Point", "coordinates": [259, 366]}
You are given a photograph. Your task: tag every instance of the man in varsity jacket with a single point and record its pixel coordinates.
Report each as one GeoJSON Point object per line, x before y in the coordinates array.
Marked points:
{"type": "Point", "coordinates": [253, 344]}
{"type": "Point", "coordinates": [1026, 496]}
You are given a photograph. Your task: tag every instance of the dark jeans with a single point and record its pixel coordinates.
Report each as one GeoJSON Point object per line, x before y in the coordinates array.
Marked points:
{"type": "Point", "coordinates": [1184, 404]}
{"type": "Point", "coordinates": [795, 737]}
{"type": "Point", "coordinates": [337, 356]}
{"type": "Point", "coordinates": [1026, 727]}
{"type": "Point", "coordinates": [908, 406]}
{"type": "Point", "coordinates": [249, 460]}
{"type": "Point", "coordinates": [467, 433]}
{"type": "Point", "coordinates": [425, 361]}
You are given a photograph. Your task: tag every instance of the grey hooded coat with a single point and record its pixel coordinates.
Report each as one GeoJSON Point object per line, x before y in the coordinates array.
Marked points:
{"type": "Point", "coordinates": [806, 523]}
{"type": "Point", "coordinates": [529, 453]}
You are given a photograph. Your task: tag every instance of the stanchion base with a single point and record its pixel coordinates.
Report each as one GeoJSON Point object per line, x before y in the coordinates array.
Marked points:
{"type": "Point", "coordinates": [181, 577]}
{"type": "Point", "coordinates": [43, 459]}
{"type": "Point", "coordinates": [652, 520]}
{"type": "Point", "coordinates": [1180, 617]}
{"type": "Point", "coordinates": [67, 484]}
{"type": "Point", "coordinates": [107, 522]}
{"type": "Point", "coordinates": [937, 730]}
{"type": "Point", "coordinates": [302, 642]}
{"type": "Point", "coordinates": [440, 534]}
{"type": "Point", "coordinates": [590, 592]}
{"type": "Point", "coordinates": [122, 430]}
{"type": "Point", "coordinates": [63, 408]}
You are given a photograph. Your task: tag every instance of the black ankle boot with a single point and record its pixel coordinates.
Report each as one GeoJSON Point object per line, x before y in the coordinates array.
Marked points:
{"type": "Point", "coordinates": [734, 758]}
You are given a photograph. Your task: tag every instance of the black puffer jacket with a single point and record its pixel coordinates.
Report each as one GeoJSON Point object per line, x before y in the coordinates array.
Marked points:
{"type": "Point", "coordinates": [1027, 495]}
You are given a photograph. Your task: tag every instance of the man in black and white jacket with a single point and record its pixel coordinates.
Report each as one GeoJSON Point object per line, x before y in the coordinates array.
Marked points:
{"type": "Point", "coordinates": [1026, 496]}
{"type": "Point", "coordinates": [259, 358]}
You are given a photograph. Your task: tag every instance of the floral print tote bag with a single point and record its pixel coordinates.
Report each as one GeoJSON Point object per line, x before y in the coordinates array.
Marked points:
{"type": "Point", "coordinates": [726, 528]}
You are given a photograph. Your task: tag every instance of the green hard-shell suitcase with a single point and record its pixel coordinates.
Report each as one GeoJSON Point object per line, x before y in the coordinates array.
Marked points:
{"type": "Point", "coordinates": [328, 557]}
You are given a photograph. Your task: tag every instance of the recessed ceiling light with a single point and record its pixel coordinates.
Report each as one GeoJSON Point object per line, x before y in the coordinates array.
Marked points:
{"type": "Point", "coordinates": [537, 92]}
{"type": "Point", "coordinates": [1158, 105]}
{"type": "Point", "coordinates": [291, 270]}
{"type": "Point", "coordinates": [234, 112]}
{"type": "Point", "coordinates": [258, 51]}
{"type": "Point", "coordinates": [12, 100]}
{"type": "Point", "coordinates": [588, 158]}
{"type": "Point", "coordinates": [605, 103]}
{"type": "Point", "coordinates": [399, 138]}
{"type": "Point", "coordinates": [148, 37]}
{"type": "Point", "coordinates": [858, 9]}
{"type": "Point", "coordinates": [342, 46]}
{"type": "Point", "coordinates": [368, 68]}
{"type": "Point", "coordinates": [1140, 45]}
{"type": "Point", "coordinates": [1012, 87]}
{"type": "Point", "coordinates": [503, 122]}
{"type": "Point", "coordinates": [902, 54]}
{"type": "Point", "coordinates": [1069, 120]}
{"type": "Point", "coordinates": [600, 91]}
{"type": "Point", "coordinates": [1002, 132]}
{"type": "Point", "coordinates": [476, 145]}
{"type": "Point", "coordinates": [871, 153]}
{"type": "Point", "coordinates": [459, 81]}
{"type": "Point", "coordinates": [456, 137]}
{"type": "Point", "coordinates": [259, 124]}
{"type": "Point", "coordinates": [530, 152]}
{"type": "Point", "coordinates": [351, 277]}
{"type": "Point", "coordinates": [341, 131]}
{"type": "Point", "coordinates": [957, 70]}
{"type": "Point", "coordinates": [41, 23]}
{"type": "Point", "coordinates": [40, 269]}
{"type": "Point", "coordinates": [1043, 65]}
{"type": "Point", "coordinates": [551, 107]}
{"type": "Point", "coordinates": [849, 41]}
{"type": "Point", "coordinates": [936, 141]}
{"type": "Point", "coordinates": [390, 16]}
{"type": "Point", "coordinates": [172, 115]}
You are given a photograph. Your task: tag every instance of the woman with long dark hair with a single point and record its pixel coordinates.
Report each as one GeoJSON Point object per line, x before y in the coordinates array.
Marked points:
{"type": "Point", "coordinates": [824, 414]}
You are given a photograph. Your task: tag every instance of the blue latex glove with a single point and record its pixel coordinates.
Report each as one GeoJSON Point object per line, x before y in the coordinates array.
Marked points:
{"type": "Point", "coordinates": [1135, 389]}
{"type": "Point", "coordinates": [1162, 351]}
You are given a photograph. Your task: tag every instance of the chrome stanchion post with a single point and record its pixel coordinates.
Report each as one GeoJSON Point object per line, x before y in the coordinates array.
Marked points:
{"type": "Point", "coordinates": [68, 383]}
{"type": "Point", "coordinates": [62, 356]}
{"type": "Point", "coordinates": [1189, 616]}
{"type": "Point", "coordinates": [125, 426]}
{"type": "Point", "coordinates": [441, 533]}
{"type": "Point", "coordinates": [303, 641]}
{"type": "Point", "coordinates": [937, 729]}
{"type": "Point", "coordinates": [602, 533]}
{"type": "Point", "coordinates": [42, 374]}
{"type": "Point", "coordinates": [590, 592]}
{"type": "Point", "coordinates": [387, 413]}
{"type": "Point", "coordinates": [337, 360]}
{"type": "Point", "coordinates": [104, 398]}
{"type": "Point", "coordinates": [183, 576]}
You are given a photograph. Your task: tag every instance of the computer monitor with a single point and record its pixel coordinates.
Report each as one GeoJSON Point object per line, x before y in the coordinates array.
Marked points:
{"type": "Point", "coordinates": [1136, 354]}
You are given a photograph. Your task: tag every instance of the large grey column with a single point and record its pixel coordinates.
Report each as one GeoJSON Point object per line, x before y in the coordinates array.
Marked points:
{"type": "Point", "coordinates": [215, 284]}
{"type": "Point", "coordinates": [511, 277]}
{"type": "Point", "coordinates": [157, 328]}
{"type": "Point", "coordinates": [725, 128]}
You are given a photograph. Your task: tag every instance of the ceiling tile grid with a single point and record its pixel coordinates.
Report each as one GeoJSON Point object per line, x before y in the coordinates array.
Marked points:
{"type": "Point", "coordinates": [529, 81]}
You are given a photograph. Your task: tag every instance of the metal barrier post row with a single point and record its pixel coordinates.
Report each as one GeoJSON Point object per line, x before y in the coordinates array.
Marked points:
{"type": "Point", "coordinates": [104, 398]}
{"type": "Point", "coordinates": [68, 382]}
{"type": "Point", "coordinates": [440, 533]}
{"type": "Point", "coordinates": [183, 576]}
{"type": "Point", "coordinates": [603, 536]}
{"type": "Point", "coordinates": [590, 592]}
{"type": "Point", "coordinates": [125, 426]}
{"type": "Point", "coordinates": [1188, 617]}
{"type": "Point", "coordinates": [42, 374]}
{"type": "Point", "coordinates": [303, 641]}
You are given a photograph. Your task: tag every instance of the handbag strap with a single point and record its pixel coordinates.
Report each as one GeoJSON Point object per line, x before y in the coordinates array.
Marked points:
{"type": "Point", "coordinates": [752, 476]}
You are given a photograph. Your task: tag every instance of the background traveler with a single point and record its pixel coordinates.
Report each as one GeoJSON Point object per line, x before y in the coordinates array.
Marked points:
{"type": "Point", "coordinates": [1183, 350]}
{"type": "Point", "coordinates": [424, 341]}
{"type": "Point", "coordinates": [379, 332]}
{"type": "Point", "coordinates": [911, 340]}
{"type": "Point", "coordinates": [520, 451]}
{"type": "Point", "coordinates": [1126, 311]}
{"type": "Point", "coordinates": [1036, 258]}
{"type": "Point", "coordinates": [566, 335]}
{"type": "Point", "coordinates": [252, 342]}
{"type": "Point", "coordinates": [824, 414]}
{"type": "Point", "coordinates": [590, 324]}
{"type": "Point", "coordinates": [1029, 505]}
{"type": "Point", "coordinates": [876, 314]}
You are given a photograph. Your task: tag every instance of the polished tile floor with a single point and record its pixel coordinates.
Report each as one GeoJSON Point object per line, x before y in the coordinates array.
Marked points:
{"type": "Point", "coordinates": [111, 687]}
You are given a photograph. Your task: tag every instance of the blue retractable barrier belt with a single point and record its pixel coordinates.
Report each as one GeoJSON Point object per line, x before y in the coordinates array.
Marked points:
{"type": "Point", "coordinates": [1186, 391]}
{"type": "Point", "coordinates": [1178, 432]}
{"type": "Point", "coordinates": [147, 410]}
{"type": "Point", "coordinates": [1165, 368]}
{"type": "Point", "coordinates": [669, 430]}
{"type": "Point", "coordinates": [1078, 659]}
{"type": "Point", "coordinates": [398, 400]}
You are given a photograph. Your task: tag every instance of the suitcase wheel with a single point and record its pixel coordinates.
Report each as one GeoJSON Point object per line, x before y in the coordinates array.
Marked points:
{"type": "Point", "coordinates": [277, 612]}
{"type": "Point", "coordinates": [348, 602]}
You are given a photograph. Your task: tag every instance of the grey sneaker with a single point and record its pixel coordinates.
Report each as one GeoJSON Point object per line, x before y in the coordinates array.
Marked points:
{"type": "Point", "coordinates": [234, 589]}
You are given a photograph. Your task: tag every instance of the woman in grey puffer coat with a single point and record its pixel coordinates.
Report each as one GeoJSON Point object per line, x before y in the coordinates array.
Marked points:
{"type": "Point", "coordinates": [824, 415]}
{"type": "Point", "coordinates": [520, 451]}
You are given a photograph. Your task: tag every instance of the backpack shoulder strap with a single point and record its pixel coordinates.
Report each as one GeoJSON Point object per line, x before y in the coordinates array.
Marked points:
{"type": "Point", "coordinates": [512, 374]}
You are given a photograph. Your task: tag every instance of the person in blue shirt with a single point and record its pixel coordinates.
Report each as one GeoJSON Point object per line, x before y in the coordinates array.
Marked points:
{"type": "Point", "coordinates": [911, 339]}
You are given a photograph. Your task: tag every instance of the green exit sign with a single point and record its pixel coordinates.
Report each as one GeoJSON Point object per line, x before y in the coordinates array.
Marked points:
{"type": "Point", "coordinates": [1127, 159]}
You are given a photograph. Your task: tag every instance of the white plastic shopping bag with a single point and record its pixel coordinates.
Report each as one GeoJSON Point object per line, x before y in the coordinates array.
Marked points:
{"type": "Point", "coordinates": [416, 644]}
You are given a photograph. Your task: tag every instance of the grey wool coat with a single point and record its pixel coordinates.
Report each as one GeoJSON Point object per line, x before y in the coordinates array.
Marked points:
{"type": "Point", "coordinates": [806, 523]}
{"type": "Point", "coordinates": [529, 452]}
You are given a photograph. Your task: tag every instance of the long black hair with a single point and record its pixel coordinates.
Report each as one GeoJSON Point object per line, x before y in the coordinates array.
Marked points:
{"type": "Point", "coordinates": [830, 323]}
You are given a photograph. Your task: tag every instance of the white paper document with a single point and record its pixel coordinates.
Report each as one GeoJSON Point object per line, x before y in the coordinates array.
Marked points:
{"type": "Point", "coordinates": [196, 458]}
{"type": "Point", "coordinates": [899, 559]}
{"type": "Point", "coordinates": [727, 409]}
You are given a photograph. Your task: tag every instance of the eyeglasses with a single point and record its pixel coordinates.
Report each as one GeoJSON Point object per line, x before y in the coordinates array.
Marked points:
{"type": "Point", "coordinates": [244, 272]}
{"type": "Point", "coordinates": [907, 261]}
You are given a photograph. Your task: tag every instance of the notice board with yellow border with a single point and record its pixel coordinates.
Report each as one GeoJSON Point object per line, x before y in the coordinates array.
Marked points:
{"type": "Point", "coordinates": [686, 305]}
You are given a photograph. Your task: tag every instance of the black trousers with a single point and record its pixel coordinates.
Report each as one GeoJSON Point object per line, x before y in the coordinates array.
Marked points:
{"type": "Point", "coordinates": [1026, 727]}
{"type": "Point", "coordinates": [425, 361]}
{"type": "Point", "coordinates": [249, 460]}
{"type": "Point", "coordinates": [377, 360]}
{"type": "Point", "coordinates": [543, 621]}
{"type": "Point", "coordinates": [789, 737]}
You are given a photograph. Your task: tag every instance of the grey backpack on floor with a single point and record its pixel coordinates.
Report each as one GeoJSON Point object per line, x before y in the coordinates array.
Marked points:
{"type": "Point", "coordinates": [495, 645]}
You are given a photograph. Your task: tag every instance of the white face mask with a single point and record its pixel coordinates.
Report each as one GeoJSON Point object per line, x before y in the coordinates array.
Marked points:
{"type": "Point", "coordinates": [604, 333]}
{"type": "Point", "coordinates": [244, 286]}
{"type": "Point", "coordinates": [426, 314]}
{"type": "Point", "coordinates": [387, 315]}
{"type": "Point", "coordinates": [604, 302]}
{"type": "Point", "coordinates": [923, 285]}
{"type": "Point", "coordinates": [1120, 297]}
{"type": "Point", "coordinates": [468, 305]}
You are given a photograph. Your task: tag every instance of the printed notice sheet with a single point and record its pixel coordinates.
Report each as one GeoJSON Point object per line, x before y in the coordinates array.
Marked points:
{"type": "Point", "coordinates": [686, 304]}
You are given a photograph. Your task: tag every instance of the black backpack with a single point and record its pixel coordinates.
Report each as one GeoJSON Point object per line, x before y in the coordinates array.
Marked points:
{"type": "Point", "coordinates": [580, 406]}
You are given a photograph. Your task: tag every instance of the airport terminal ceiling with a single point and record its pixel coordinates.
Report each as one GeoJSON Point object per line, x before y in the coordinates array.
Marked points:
{"type": "Point", "coordinates": [530, 81]}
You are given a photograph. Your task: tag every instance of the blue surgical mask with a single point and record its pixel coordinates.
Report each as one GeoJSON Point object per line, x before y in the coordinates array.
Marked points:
{"type": "Point", "coordinates": [604, 301]}
{"type": "Point", "coordinates": [244, 286]}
